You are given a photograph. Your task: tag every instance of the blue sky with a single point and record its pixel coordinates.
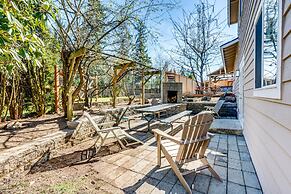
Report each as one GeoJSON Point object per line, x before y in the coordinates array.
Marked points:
{"type": "Point", "coordinates": [165, 39]}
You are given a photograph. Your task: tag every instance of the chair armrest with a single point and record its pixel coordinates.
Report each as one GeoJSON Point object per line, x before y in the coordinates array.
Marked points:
{"type": "Point", "coordinates": [195, 141]}
{"type": "Point", "coordinates": [167, 136]}
{"type": "Point", "coordinates": [109, 129]}
{"type": "Point", "coordinates": [210, 134]}
{"type": "Point", "coordinates": [108, 123]}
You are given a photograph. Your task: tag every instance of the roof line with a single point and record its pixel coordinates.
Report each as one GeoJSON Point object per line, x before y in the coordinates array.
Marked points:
{"type": "Point", "coordinates": [235, 40]}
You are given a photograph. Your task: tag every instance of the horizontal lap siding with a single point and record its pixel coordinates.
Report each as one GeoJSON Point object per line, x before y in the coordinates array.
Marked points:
{"type": "Point", "coordinates": [266, 155]}
{"type": "Point", "coordinates": [286, 96]}
{"type": "Point", "coordinates": [286, 70]}
{"type": "Point", "coordinates": [267, 126]}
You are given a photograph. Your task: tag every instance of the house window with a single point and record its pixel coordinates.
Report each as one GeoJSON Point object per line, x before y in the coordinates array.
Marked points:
{"type": "Point", "coordinates": [240, 8]}
{"type": "Point", "coordinates": [267, 45]}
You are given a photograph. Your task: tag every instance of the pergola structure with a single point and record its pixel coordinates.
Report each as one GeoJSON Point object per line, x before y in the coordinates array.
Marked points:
{"type": "Point", "coordinates": [120, 71]}
{"type": "Point", "coordinates": [122, 66]}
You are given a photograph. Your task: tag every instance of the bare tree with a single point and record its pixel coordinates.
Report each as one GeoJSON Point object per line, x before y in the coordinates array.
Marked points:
{"type": "Point", "coordinates": [198, 36]}
{"type": "Point", "coordinates": [79, 31]}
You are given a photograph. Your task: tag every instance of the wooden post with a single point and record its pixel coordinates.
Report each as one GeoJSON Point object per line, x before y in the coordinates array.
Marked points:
{"type": "Point", "coordinates": [209, 85]}
{"type": "Point", "coordinates": [57, 110]}
{"type": "Point", "coordinates": [142, 88]}
{"type": "Point", "coordinates": [161, 84]}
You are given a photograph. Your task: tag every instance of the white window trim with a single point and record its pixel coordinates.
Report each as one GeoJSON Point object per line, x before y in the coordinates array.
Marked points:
{"type": "Point", "coordinates": [270, 91]}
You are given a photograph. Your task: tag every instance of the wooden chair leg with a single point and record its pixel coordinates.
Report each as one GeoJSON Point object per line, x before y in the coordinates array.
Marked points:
{"type": "Point", "coordinates": [159, 157]}
{"type": "Point", "coordinates": [119, 141]}
{"type": "Point", "coordinates": [211, 170]}
{"type": "Point", "coordinates": [97, 148]}
{"type": "Point", "coordinates": [132, 138]}
{"type": "Point", "coordinates": [176, 170]}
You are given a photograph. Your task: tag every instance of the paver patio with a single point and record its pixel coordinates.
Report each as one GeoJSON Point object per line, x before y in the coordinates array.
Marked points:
{"type": "Point", "coordinates": [135, 170]}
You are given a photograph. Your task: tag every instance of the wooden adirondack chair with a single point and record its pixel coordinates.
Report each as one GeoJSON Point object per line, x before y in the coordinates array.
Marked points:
{"type": "Point", "coordinates": [189, 147]}
{"type": "Point", "coordinates": [216, 108]}
{"type": "Point", "coordinates": [112, 132]}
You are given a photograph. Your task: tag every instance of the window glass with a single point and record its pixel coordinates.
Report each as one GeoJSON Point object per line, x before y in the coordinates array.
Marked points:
{"type": "Point", "coordinates": [258, 49]}
{"type": "Point", "coordinates": [271, 30]}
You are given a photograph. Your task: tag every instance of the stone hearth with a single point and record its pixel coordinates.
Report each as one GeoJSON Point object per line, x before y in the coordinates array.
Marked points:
{"type": "Point", "coordinates": [172, 92]}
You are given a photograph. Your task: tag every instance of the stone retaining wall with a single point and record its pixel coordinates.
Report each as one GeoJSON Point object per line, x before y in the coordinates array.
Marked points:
{"type": "Point", "coordinates": [228, 109]}
{"type": "Point", "coordinates": [21, 158]}
{"type": "Point", "coordinates": [197, 107]}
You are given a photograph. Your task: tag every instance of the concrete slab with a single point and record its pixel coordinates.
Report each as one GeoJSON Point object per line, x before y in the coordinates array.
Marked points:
{"type": "Point", "coordinates": [226, 126]}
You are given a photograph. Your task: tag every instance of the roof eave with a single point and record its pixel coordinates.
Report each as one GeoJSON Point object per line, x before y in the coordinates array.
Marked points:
{"type": "Point", "coordinates": [228, 44]}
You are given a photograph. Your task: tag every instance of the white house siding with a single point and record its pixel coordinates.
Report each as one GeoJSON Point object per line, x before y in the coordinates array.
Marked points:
{"type": "Point", "coordinates": [267, 122]}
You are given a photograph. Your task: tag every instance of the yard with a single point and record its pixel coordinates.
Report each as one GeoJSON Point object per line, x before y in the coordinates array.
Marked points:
{"type": "Point", "coordinates": [134, 170]}
{"type": "Point", "coordinates": [152, 96]}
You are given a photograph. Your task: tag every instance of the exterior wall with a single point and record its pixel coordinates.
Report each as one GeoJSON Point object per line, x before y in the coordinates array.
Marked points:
{"type": "Point", "coordinates": [222, 83]}
{"type": "Point", "coordinates": [267, 122]}
{"type": "Point", "coordinates": [188, 85]}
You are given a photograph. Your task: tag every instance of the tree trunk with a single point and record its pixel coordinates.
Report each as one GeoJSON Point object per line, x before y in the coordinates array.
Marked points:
{"type": "Point", "coordinates": [70, 106]}
{"type": "Point", "coordinates": [142, 88]}
{"type": "Point", "coordinates": [86, 93]}
{"type": "Point", "coordinates": [3, 94]}
{"type": "Point", "coordinates": [114, 90]}
{"type": "Point", "coordinates": [71, 64]}
{"type": "Point", "coordinates": [15, 108]}
{"type": "Point", "coordinates": [56, 89]}
{"type": "Point", "coordinates": [37, 86]}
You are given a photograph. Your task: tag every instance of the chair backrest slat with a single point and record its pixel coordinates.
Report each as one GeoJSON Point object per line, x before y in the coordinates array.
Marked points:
{"type": "Point", "coordinates": [195, 128]}
{"type": "Point", "coordinates": [91, 120]}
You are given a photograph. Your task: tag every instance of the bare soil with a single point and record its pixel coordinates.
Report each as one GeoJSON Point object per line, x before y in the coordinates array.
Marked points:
{"type": "Point", "coordinates": [14, 133]}
{"type": "Point", "coordinates": [68, 172]}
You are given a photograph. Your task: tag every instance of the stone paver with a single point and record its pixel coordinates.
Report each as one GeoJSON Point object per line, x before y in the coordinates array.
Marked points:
{"type": "Point", "coordinates": [217, 187]}
{"type": "Point", "coordinates": [170, 177]}
{"type": "Point", "coordinates": [234, 164]}
{"type": "Point", "coordinates": [133, 161]}
{"type": "Point", "coordinates": [159, 173]}
{"type": "Point", "coordinates": [222, 171]}
{"type": "Point", "coordinates": [233, 155]}
{"type": "Point", "coordinates": [235, 188]}
{"type": "Point", "coordinates": [245, 156]}
{"type": "Point", "coordinates": [178, 189]}
{"type": "Point", "coordinates": [162, 187]}
{"type": "Point", "coordinates": [247, 166]}
{"type": "Point", "coordinates": [138, 173]}
{"type": "Point", "coordinates": [148, 186]}
{"type": "Point", "coordinates": [251, 180]}
{"type": "Point", "coordinates": [135, 170]}
{"type": "Point", "coordinates": [253, 191]}
{"type": "Point", "coordinates": [243, 148]}
{"type": "Point", "coordinates": [235, 176]}
{"type": "Point", "coordinates": [201, 183]}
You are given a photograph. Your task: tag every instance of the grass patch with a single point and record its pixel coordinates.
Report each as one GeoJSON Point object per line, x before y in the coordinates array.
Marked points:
{"type": "Point", "coordinates": [65, 187]}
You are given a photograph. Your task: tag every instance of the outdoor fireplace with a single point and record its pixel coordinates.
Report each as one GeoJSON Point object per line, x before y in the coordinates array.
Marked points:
{"type": "Point", "coordinates": [172, 97]}
{"type": "Point", "coordinates": [172, 92]}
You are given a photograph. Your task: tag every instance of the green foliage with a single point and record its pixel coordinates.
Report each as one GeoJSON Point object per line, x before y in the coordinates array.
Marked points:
{"type": "Point", "coordinates": [21, 22]}
{"type": "Point", "coordinates": [141, 44]}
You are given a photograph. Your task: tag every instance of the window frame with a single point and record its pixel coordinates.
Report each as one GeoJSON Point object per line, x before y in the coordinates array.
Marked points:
{"type": "Point", "coordinates": [274, 90]}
